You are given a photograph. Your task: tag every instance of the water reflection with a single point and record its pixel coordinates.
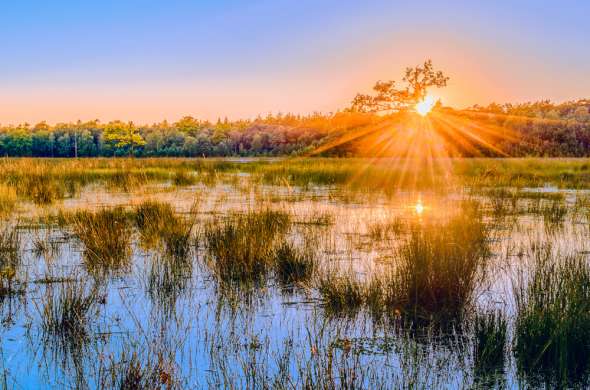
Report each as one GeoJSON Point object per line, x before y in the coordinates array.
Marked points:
{"type": "Point", "coordinates": [167, 320]}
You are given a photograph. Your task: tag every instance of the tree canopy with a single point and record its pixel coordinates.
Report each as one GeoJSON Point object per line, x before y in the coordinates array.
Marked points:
{"type": "Point", "coordinates": [391, 98]}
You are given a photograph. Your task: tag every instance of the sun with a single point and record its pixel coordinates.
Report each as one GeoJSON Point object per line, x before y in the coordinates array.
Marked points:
{"type": "Point", "coordinates": [425, 106]}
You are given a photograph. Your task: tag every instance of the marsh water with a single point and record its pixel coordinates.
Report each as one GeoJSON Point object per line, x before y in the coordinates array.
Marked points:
{"type": "Point", "coordinates": [193, 332]}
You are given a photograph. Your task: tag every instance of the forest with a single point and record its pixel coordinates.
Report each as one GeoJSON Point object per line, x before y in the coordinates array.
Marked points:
{"type": "Point", "coordinates": [539, 128]}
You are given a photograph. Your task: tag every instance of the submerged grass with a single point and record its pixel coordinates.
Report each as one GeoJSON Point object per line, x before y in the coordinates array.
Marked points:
{"type": "Point", "coordinates": [553, 318]}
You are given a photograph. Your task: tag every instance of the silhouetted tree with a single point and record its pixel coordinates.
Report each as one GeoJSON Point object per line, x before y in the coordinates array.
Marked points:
{"type": "Point", "coordinates": [389, 98]}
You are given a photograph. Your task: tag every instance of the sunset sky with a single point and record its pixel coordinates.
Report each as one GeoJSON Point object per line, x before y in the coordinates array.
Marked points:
{"type": "Point", "coordinates": [152, 60]}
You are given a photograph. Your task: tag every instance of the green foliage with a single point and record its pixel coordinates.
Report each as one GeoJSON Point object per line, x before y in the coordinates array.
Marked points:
{"type": "Point", "coordinates": [124, 136]}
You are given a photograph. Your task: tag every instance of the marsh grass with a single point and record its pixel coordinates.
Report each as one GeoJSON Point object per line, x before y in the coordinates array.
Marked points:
{"type": "Point", "coordinates": [554, 213]}
{"type": "Point", "coordinates": [10, 246]}
{"type": "Point", "coordinates": [183, 178]}
{"type": "Point", "coordinates": [151, 218]}
{"type": "Point", "coordinates": [342, 294]}
{"type": "Point", "coordinates": [489, 354]}
{"type": "Point", "coordinates": [382, 231]}
{"type": "Point", "coordinates": [10, 243]}
{"type": "Point", "coordinates": [553, 318]}
{"type": "Point", "coordinates": [41, 189]}
{"type": "Point", "coordinates": [160, 226]}
{"type": "Point", "coordinates": [44, 245]}
{"type": "Point", "coordinates": [294, 264]}
{"type": "Point", "coordinates": [434, 273]}
{"type": "Point", "coordinates": [439, 266]}
{"type": "Point", "coordinates": [8, 199]}
{"type": "Point", "coordinates": [320, 219]}
{"type": "Point", "coordinates": [134, 373]}
{"type": "Point", "coordinates": [242, 246]}
{"type": "Point", "coordinates": [106, 236]}
{"type": "Point", "coordinates": [168, 277]}
{"type": "Point", "coordinates": [66, 311]}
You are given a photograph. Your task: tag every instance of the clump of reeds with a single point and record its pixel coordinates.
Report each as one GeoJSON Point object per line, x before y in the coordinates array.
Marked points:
{"type": "Point", "coordinates": [157, 223]}
{"type": "Point", "coordinates": [438, 266]}
{"type": "Point", "coordinates": [321, 219]}
{"type": "Point", "coordinates": [167, 279]}
{"type": "Point", "coordinates": [341, 294]}
{"type": "Point", "coordinates": [242, 247]}
{"type": "Point", "coordinates": [65, 314]}
{"type": "Point", "coordinates": [381, 231]}
{"type": "Point", "coordinates": [125, 178]}
{"type": "Point", "coordinates": [490, 329]}
{"type": "Point", "coordinates": [9, 244]}
{"type": "Point", "coordinates": [183, 178]}
{"type": "Point", "coordinates": [41, 189]}
{"type": "Point", "coordinates": [553, 317]}
{"type": "Point", "coordinates": [106, 235]}
{"type": "Point", "coordinates": [44, 245]}
{"type": "Point", "coordinates": [151, 218]}
{"type": "Point", "coordinates": [293, 264]}
{"type": "Point", "coordinates": [133, 374]}
{"type": "Point", "coordinates": [433, 276]}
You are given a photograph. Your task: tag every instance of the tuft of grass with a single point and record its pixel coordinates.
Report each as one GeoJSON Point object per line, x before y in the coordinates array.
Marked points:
{"type": "Point", "coordinates": [151, 218]}
{"type": "Point", "coordinates": [65, 314]}
{"type": "Point", "coordinates": [158, 224]}
{"type": "Point", "coordinates": [133, 374]}
{"type": "Point", "coordinates": [438, 267]}
{"type": "Point", "coordinates": [553, 318]}
{"type": "Point", "coordinates": [183, 178]}
{"type": "Point", "coordinates": [242, 247]}
{"type": "Point", "coordinates": [41, 189]}
{"type": "Point", "coordinates": [341, 294]}
{"type": "Point", "coordinates": [106, 235]}
{"type": "Point", "coordinates": [292, 264]}
{"type": "Point", "coordinates": [490, 329]}
{"type": "Point", "coordinates": [382, 231]}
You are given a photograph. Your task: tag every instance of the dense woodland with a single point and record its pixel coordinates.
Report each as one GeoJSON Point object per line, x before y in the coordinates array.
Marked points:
{"type": "Point", "coordinates": [536, 129]}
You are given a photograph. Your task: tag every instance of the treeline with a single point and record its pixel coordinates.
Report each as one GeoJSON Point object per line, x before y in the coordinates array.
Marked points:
{"type": "Point", "coordinates": [541, 129]}
{"type": "Point", "coordinates": [189, 137]}
{"type": "Point", "coordinates": [529, 129]}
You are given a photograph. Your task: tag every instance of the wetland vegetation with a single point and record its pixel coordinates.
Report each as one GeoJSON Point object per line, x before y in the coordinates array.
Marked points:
{"type": "Point", "coordinates": [294, 273]}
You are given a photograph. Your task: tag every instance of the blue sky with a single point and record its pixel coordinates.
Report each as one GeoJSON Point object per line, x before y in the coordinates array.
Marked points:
{"type": "Point", "coordinates": [151, 60]}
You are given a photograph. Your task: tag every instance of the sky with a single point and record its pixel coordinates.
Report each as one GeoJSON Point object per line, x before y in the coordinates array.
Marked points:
{"type": "Point", "coordinates": [147, 60]}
